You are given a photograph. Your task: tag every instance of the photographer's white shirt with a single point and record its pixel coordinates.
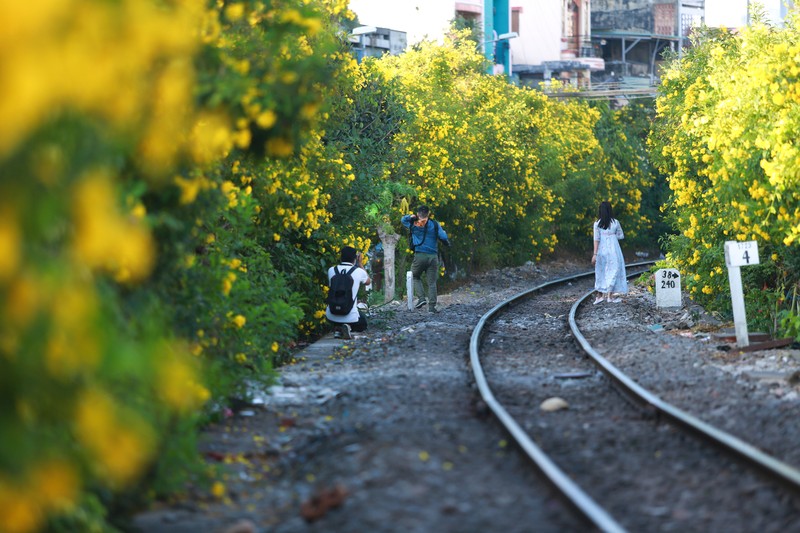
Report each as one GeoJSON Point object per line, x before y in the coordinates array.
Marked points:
{"type": "Point", "coordinates": [359, 276]}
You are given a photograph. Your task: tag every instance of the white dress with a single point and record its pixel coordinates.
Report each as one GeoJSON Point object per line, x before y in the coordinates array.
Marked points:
{"type": "Point", "coordinates": [609, 267]}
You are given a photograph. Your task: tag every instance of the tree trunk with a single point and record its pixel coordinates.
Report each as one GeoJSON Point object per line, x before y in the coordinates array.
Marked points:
{"type": "Point", "coordinates": [389, 242]}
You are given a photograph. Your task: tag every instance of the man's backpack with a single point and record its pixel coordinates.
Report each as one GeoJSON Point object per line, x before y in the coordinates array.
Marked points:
{"type": "Point", "coordinates": [340, 295]}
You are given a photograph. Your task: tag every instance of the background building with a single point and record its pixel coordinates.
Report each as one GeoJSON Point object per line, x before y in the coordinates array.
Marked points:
{"type": "Point", "coordinates": [371, 41]}
{"type": "Point", "coordinates": [634, 34]}
{"type": "Point", "coordinates": [736, 13]}
{"type": "Point", "coordinates": [431, 20]}
{"type": "Point", "coordinates": [554, 41]}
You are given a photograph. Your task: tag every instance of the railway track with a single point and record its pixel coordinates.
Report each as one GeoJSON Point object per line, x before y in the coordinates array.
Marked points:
{"type": "Point", "coordinates": [614, 463]}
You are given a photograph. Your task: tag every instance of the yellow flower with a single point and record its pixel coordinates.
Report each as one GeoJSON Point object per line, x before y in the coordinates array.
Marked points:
{"type": "Point", "coordinates": [218, 489]}
{"type": "Point", "coordinates": [279, 147]}
{"type": "Point", "coordinates": [20, 512]}
{"type": "Point", "coordinates": [211, 138]}
{"type": "Point", "coordinates": [139, 211]}
{"type": "Point", "coordinates": [275, 346]}
{"type": "Point", "coordinates": [56, 484]}
{"type": "Point", "coordinates": [189, 189]}
{"type": "Point", "coordinates": [104, 239]}
{"type": "Point", "coordinates": [177, 382]}
{"type": "Point", "coordinates": [234, 12]}
{"type": "Point", "coordinates": [239, 320]}
{"type": "Point", "coordinates": [119, 441]}
{"type": "Point", "coordinates": [267, 119]}
{"type": "Point", "coordinates": [23, 300]}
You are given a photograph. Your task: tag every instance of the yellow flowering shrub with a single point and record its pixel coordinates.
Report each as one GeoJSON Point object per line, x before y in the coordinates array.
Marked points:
{"type": "Point", "coordinates": [728, 118]}
{"type": "Point", "coordinates": [507, 170]}
{"type": "Point", "coordinates": [117, 118]}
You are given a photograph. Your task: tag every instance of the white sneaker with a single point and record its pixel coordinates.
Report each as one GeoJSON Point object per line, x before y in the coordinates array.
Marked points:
{"type": "Point", "coordinates": [346, 331]}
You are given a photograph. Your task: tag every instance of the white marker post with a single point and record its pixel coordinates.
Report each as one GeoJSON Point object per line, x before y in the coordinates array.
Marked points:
{"type": "Point", "coordinates": [739, 254]}
{"type": "Point", "coordinates": [410, 289]}
{"type": "Point", "coordinates": [668, 288]}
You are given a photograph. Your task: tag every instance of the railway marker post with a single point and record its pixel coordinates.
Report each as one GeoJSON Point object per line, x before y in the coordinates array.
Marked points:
{"type": "Point", "coordinates": [668, 288]}
{"type": "Point", "coordinates": [410, 289]}
{"type": "Point", "coordinates": [739, 254]}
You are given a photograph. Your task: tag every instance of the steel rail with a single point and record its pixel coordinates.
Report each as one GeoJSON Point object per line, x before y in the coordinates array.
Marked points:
{"type": "Point", "coordinates": [643, 397]}
{"type": "Point", "coordinates": [581, 501]}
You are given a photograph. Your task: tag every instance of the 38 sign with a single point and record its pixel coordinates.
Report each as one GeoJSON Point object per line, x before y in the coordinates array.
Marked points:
{"type": "Point", "coordinates": [668, 288]}
{"type": "Point", "coordinates": [669, 278]}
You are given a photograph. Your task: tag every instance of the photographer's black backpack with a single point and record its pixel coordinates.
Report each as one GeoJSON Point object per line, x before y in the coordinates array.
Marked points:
{"type": "Point", "coordinates": [340, 295]}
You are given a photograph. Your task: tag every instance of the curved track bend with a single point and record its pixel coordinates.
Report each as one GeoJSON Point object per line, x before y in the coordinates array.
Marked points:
{"type": "Point", "coordinates": [576, 496]}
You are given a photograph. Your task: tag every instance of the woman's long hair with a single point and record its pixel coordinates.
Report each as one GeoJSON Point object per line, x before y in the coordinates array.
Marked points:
{"type": "Point", "coordinates": [605, 214]}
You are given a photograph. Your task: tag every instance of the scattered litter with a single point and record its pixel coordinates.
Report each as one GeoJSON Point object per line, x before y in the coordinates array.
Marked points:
{"type": "Point", "coordinates": [242, 526]}
{"type": "Point", "coordinates": [323, 501]}
{"type": "Point", "coordinates": [656, 328]}
{"type": "Point", "coordinates": [280, 395]}
{"type": "Point", "coordinates": [554, 404]}
{"type": "Point", "coordinates": [247, 412]}
{"type": "Point", "coordinates": [573, 375]}
{"type": "Point", "coordinates": [772, 375]}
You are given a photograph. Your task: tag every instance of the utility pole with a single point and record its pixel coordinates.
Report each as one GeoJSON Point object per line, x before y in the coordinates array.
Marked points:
{"type": "Point", "coordinates": [680, 28]}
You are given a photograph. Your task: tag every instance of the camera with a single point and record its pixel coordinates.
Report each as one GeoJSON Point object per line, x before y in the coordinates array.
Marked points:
{"type": "Point", "coordinates": [413, 218]}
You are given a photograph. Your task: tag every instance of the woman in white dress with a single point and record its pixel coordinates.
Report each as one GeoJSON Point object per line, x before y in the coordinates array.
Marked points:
{"type": "Point", "coordinates": [609, 264]}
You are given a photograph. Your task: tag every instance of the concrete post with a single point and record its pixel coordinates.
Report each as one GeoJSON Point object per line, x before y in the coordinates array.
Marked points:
{"type": "Point", "coordinates": [410, 289]}
{"type": "Point", "coordinates": [389, 241]}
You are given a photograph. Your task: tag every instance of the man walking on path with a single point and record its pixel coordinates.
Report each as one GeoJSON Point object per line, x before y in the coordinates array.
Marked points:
{"type": "Point", "coordinates": [424, 241]}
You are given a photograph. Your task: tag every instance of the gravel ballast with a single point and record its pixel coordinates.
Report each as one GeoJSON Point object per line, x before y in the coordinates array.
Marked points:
{"type": "Point", "coordinates": [386, 432]}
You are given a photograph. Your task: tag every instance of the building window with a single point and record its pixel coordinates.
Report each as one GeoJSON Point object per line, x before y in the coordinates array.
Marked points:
{"type": "Point", "coordinates": [515, 11]}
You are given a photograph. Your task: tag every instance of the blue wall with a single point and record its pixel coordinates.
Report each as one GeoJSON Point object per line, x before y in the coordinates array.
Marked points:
{"type": "Point", "coordinates": [497, 17]}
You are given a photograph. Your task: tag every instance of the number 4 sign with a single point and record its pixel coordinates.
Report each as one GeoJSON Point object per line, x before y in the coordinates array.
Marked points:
{"type": "Point", "coordinates": [739, 254]}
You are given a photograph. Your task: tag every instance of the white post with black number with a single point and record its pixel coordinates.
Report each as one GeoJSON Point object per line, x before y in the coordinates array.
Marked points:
{"type": "Point", "coordinates": [737, 255]}
{"type": "Point", "coordinates": [668, 288]}
{"type": "Point", "coordinates": [410, 289]}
